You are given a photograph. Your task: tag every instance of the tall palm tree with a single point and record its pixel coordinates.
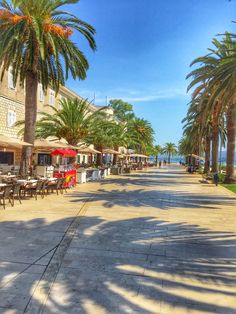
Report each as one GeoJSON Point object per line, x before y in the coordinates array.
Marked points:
{"type": "Point", "coordinates": [157, 150]}
{"type": "Point", "coordinates": [102, 135]}
{"type": "Point", "coordinates": [225, 74]}
{"type": "Point", "coordinates": [36, 42]}
{"type": "Point", "coordinates": [142, 134]}
{"type": "Point", "coordinates": [72, 122]}
{"type": "Point", "coordinates": [170, 149]}
{"type": "Point", "coordinates": [200, 78]}
{"type": "Point", "coordinates": [220, 85]}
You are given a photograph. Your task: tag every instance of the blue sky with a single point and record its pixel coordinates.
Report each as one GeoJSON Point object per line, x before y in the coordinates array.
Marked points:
{"type": "Point", "coordinates": [144, 51]}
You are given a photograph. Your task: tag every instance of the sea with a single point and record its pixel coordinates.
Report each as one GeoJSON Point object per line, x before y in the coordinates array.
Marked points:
{"type": "Point", "coordinates": [177, 159]}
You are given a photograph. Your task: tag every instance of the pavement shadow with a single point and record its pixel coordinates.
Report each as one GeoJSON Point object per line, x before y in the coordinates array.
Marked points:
{"type": "Point", "coordinates": [159, 199]}
{"type": "Point", "coordinates": [140, 265]}
{"type": "Point", "coordinates": [142, 181]}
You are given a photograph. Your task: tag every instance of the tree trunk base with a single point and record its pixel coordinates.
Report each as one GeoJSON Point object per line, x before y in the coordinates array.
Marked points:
{"type": "Point", "coordinates": [230, 180]}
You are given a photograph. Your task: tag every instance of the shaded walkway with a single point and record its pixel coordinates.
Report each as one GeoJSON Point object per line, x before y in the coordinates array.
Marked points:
{"type": "Point", "coordinates": [154, 242]}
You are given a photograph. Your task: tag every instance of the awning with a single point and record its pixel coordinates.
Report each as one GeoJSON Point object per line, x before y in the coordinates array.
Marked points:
{"type": "Point", "coordinates": [111, 151]}
{"type": "Point", "coordinates": [6, 141]}
{"type": "Point", "coordinates": [64, 152]}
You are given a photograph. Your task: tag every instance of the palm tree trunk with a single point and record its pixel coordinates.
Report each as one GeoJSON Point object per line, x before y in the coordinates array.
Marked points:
{"type": "Point", "coordinates": [115, 156]}
{"type": "Point", "coordinates": [168, 158]}
{"type": "Point", "coordinates": [207, 154]}
{"type": "Point", "coordinates": [215, 147]}
{"type": "Point", "coordinates": [231, 133]}
{"type": "Point", "coordinates": [31, 86]}
{"type": "Point", "coordinates": [99, 156]}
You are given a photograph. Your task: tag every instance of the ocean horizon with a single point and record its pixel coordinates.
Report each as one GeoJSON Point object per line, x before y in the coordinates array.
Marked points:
{"type": "Point", "coordinates": [177, 159]}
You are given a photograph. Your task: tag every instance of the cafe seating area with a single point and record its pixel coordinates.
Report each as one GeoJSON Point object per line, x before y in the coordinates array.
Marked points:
{"type": "Point", "coordinates": [14, 188]}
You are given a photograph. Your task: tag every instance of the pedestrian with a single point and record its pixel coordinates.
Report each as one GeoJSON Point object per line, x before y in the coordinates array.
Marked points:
{"type": "Point", "coordinates": [160, 164]}
{"type": "Point", "coordinates": [216, 178]}
{"type": "Point", "coordinates": [192, 169]}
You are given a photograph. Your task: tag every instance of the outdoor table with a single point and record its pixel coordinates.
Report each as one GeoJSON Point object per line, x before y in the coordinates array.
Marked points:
{"type": "Point", "coordinates": [2, 185]}
{"type": "Point", "coordinates": [6, 176]}
{"type": "Point", "coordinates": [51, 181]}
{"type": "Point", "coordinates": [25, 182]}
{"type": "Point", "coordinates": [48, 179]}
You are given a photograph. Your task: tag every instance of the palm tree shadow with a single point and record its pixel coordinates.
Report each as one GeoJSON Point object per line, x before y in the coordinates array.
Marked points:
{"type": "Point", "coordinates": [139, 265]}
{"type": "Point", "coordinates": [156, 199]}
{"type": "Point", "coordinates": [115, 265]}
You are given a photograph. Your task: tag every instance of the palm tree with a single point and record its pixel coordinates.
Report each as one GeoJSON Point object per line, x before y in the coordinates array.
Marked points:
{"type": "Point", "coordinates": [72, 122]}
{"type": "Point", "coordinates": [200, 78]}
{"type": "Point", "coordinates": [217, 77]}
{"type": "Point", "coordinates": [102, 135]}
{"type": "Point", "coordinates": [225, 73]}
{"type": "Point", "coordinates": [141, 134]}
{"type": "Point", "coordinates": [157, 150]}
{"type": "Point", "coordinates": [170, 149]}
{"type": "Point", "coordinates": [36, 42]}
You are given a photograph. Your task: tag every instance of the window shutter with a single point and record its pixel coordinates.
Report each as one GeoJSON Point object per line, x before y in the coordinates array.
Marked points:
{"type": "Point", "coordinates": [10, 78]}
{"type": "Point", "coordinates": [41, 93]}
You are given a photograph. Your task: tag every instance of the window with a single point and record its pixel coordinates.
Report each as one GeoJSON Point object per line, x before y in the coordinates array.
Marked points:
{"type": "Point", "coordinates": [51, 97]}
{"type": "Point", "coordinates": [7, 158]}
{"type": "Point", "coordinates": [44, 159]}
{"type": "Point", "coordinates": [11, 118]}
{"type": "Point", "coordinates": [41, 93]}
{"type": "Point", "coordinates": [10, 79]}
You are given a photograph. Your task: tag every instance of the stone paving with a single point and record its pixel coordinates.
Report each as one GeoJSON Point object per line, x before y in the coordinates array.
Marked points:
{"type": "Point", "coordinates": [159, 241]}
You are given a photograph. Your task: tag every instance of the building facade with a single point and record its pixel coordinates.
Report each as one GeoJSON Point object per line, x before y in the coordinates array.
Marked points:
{"type": "Point", "coordinates": [12, 109]}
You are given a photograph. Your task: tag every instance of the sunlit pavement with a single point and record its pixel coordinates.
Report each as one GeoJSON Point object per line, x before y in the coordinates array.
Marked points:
{"type": "Point", "coordinates": [159, 241]}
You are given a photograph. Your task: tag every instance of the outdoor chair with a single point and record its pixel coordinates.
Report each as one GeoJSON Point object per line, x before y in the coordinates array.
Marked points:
{"type": "Point", "coordinates": [16, 192]}
{"type": "Point", "coordinates": [44, 188]}
{"type": "Point", "coordinates": [63, 186]}
{"type": "Point", "coordinates": [51, 187]}
{"type": "Point", "coordinates": [26, 189]}
{"type": "Point", "coordinates": [103, 173]}
{"type": "Point", "coordinates": [36, 189]}
{"type": "Point", "coordinates": [5, 194]}
{"type": "Point", "coordinates": [7, 180]}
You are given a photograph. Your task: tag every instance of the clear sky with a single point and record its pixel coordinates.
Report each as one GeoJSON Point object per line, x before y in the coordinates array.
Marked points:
{"type": "Point", "coordinates": [144, 51]}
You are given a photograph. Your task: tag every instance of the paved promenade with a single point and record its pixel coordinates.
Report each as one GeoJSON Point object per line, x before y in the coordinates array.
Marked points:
{"type": "Point", "coordinates": [158, 241]}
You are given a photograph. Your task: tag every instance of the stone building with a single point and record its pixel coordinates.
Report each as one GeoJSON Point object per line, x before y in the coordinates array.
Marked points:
{"type": "Point", "coordinates": [12, 99]}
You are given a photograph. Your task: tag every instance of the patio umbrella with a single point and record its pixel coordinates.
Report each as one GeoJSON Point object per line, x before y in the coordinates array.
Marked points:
{"type": "Point", "coordinates": [137, 155]}
{"type": "Point", "coordinates": [88, 150]}
{"type": "Point", "coordinates": [111, 151]}
{"type": "Point", "coordinates": [196, 156]}
{"type": "Point", "coordinates": [6, 141]}
{"type": "Point", "coordinates": [43, 143]}
{"type": "Point", "coordinates": [64, 153]}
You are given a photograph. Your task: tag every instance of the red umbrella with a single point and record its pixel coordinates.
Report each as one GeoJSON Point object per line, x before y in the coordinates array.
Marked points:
{"type": "Point", "coordinates": [64, 152]}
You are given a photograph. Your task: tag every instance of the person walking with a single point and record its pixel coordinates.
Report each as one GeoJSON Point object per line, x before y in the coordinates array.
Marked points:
{"type": "Point", "coordinates": [216, 178]}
